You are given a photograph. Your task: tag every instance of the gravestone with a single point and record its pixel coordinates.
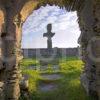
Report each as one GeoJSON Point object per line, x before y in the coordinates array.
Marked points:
{"type": "Point", "coordinates": [51, 54]}
{"type": "Point", "coordinates": [49, 35]}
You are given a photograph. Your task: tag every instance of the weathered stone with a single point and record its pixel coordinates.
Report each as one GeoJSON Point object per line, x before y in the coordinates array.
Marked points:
{"type": "Point", "coordinates": [30, 53]}
{"type": "Point", "coordinates": [1, 90]}
{"type": "Point", "coordinates": [24, 83]}
{"type": "Point", "coordinates": [90, 51]}
{"type": "Point", "coordinates": [24, 86]}
{"type": "Point", "coordinates": [49, 35]}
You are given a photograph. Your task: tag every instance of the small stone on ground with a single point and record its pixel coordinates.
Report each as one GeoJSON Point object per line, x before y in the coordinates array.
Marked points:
{"type": "Point", "coordinates": [47, 87]}
{"type": "Point", "coordinates": [51, 76]}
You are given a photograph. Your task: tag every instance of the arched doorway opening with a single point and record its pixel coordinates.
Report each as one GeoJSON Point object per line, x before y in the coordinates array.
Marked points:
{"type": "Point", "coordinates": [63, 23]}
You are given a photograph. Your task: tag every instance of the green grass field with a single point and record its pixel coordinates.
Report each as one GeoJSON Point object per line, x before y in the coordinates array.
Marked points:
{"type": "Point", "coordinates": [69, 85]}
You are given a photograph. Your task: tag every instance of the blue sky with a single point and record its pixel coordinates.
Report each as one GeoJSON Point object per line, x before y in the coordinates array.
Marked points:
{"type": "Point", "coordinates": [65, 27]}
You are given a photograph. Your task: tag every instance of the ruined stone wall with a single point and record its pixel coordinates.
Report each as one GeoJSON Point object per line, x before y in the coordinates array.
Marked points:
{"type": "Point", "coordinates": [2, 29]}
{"type": "Point", "coordinates": [8, 58]}
{"type": "Point", "coordinates": [96, 42]}
{"type": "Point", "coordinates": [66, 52]}
{"type": "Point", "coordinates": [89, 40]}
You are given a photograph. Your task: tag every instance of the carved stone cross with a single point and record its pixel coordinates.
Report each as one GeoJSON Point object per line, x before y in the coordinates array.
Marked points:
{"type": "Point", "coordinates": [49, 35]}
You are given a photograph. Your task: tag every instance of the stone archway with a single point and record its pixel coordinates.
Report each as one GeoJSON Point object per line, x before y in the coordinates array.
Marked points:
{"type": "Point", "coordinates": [14, 12]}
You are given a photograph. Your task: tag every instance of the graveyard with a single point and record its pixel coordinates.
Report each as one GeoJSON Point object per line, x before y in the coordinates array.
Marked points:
{"type": "Point", "coordinates": [51, 75]}
{"type": "Point", "coordinates": [52, 84]}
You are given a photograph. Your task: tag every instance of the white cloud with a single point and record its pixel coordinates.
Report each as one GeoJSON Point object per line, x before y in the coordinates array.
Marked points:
{"type": "Point", "coordinates": [64, 25]}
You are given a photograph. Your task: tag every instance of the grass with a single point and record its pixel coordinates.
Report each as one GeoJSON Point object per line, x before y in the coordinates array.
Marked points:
{"type": "Point", "coordinates": [29, 62]}
{"type": "Point", "coordinates": [69, 85]}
